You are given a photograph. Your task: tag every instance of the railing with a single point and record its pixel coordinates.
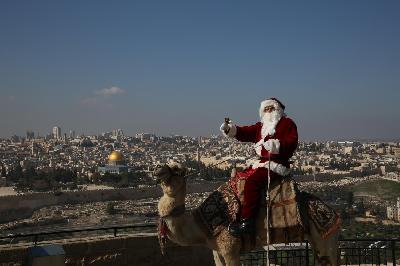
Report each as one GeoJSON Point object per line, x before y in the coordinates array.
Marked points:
{"type": "Point", "coordinates": [114, 230]}
{"type": "Point", "coordinates": [351, 251]}
{"type": "Point", "coordinates": [370, 251]}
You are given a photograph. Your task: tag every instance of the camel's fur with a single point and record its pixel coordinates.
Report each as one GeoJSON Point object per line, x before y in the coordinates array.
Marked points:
{"type": "Point", "coordinates": [184, 230]}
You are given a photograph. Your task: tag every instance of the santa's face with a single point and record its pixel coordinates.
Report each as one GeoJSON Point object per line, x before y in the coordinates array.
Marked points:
{"type": "Point", "coordinates": [271, 114]}
{"type": "Point", "coordinates": [269, 109]}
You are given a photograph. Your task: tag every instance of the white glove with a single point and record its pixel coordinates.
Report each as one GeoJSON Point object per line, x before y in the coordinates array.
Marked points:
{"type": "Point", "coordinates": [229, 130]}
{"type": "Point", "coordinates": [272, 146]}
{"type": "Point", "coordinates": [225, 128]}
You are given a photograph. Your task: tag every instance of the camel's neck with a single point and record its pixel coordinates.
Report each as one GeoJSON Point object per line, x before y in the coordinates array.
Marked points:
{"type": "Point", "coordinates": [168, 203]}
{"type": "Point", "coordinates": [182, 228]}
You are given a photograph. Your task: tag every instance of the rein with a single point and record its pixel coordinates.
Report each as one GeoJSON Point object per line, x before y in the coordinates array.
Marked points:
{"type": "Point", "coordinates": [163, 228]}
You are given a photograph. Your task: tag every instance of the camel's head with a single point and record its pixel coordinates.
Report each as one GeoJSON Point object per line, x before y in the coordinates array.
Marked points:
{"type": "Point", "coordinates": [172, 178]}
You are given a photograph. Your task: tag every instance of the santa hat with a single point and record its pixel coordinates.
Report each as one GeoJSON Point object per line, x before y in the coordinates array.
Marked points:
{"type": "Point", "coordinates": [271, 102]}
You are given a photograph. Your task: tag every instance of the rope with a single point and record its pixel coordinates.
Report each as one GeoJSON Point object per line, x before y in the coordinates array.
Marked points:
{"type": "Point", "coordinates": [163, 229]}
{"type": "Point", "coordinates": [269, 180]}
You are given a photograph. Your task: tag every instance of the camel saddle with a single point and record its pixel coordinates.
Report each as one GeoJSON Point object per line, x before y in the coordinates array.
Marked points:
{"type": "Point", "coordinates": [223, 207]}
{"type": "Point", "coordinates": [285, 221]}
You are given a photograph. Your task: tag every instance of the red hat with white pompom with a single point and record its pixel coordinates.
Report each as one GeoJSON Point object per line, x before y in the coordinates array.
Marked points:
{"type": "Point", "coordinates": [271, 102]}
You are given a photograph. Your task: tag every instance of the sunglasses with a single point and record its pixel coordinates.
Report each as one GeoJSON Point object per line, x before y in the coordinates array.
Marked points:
{"type": "Point", "coordinates": [269, 109]}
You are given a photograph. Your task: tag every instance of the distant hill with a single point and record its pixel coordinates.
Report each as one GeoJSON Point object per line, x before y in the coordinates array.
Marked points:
{"type": "Point", "coordinates": [384, 189]}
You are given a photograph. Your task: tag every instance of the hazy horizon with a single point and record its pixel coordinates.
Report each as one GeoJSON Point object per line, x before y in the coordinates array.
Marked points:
{"type": "Point", "coordinates": [180, 67]}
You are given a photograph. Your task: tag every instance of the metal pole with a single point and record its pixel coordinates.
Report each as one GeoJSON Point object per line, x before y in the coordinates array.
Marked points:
{"type": "Point", "coordinates": [269, 179]}
{"type": "Point", "coordinates": [394, 252]}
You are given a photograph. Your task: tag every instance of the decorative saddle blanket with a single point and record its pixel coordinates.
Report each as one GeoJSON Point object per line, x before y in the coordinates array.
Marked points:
{"type": "Point", "coordinates": [325, 219]}
{"type": "Point", "coordinates": [218, 210]}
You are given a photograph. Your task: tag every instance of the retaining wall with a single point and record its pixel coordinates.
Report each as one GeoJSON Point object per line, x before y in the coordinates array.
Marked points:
{"type": "Point", "coordinates": [16, 207]}
{"type": "Point", "coordinates": [127, 250]}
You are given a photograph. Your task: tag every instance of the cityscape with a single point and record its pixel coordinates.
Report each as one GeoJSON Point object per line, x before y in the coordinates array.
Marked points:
{"type": "Point", "coordinates": [339, 172]}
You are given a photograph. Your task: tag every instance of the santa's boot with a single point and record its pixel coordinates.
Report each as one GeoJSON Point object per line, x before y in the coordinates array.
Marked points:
{"type": "Point", "coordinates": [244, 226]}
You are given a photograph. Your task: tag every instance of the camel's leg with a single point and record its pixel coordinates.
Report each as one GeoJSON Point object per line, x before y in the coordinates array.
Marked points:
{"type": "Point", "coordinates": [332, 249]}
{"type": "Point", "coordinates": [218, 259]}
{"type": "Point", "coordinates": [326, 250]}
{"type": "Point", "coordinates": [229, 248]}
{"type": "Point", "coordinates": [232, 259]}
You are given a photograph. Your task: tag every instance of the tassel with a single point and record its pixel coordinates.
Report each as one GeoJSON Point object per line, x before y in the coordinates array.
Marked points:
{"type": "Point", "coordinates": [162, 234]}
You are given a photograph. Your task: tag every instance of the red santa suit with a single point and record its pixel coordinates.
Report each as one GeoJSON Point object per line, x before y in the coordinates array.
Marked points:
{"type": "Point", "coordinates": [284, 138]}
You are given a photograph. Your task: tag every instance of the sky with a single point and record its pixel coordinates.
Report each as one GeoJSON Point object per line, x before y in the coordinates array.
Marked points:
{"type": "Point", "coordinates": [180, 67]}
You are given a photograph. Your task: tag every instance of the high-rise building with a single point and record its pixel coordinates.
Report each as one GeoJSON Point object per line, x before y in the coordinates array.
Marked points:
{"type": "Point", "coordinates": [72, 134]}
{"type": "Point", "coordinates": [117, 133]}
{"type": "Point", "coordinates": [56, 132]}
{"type": "Point", "coordinates": [30, 135]}
{"type": "Point", "coordinates": [146, 136]}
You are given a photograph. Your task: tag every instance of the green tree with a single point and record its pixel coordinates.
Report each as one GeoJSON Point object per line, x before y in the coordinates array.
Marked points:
{"type": "Point", "coordinates": [3, 171]}
{"type": "Point", "coordinates": [110, 208]}
{"type": "Point", "coordinates": [350, 198]}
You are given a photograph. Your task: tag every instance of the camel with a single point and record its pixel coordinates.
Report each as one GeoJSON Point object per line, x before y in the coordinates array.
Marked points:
{"type": "Point", "coordinates": [185, 231]}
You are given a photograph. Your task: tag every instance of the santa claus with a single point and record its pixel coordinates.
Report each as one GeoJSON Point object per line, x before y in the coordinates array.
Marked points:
{"type": "Point", "coordinates": [275, 138]}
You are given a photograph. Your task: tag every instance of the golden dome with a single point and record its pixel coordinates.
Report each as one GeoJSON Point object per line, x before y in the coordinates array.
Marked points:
{"type": "Point", "coordinates": [115, 156]}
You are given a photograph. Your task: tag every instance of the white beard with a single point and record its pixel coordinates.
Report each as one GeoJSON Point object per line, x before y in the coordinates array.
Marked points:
{"type": "Point", "coordinates": [269, 122]}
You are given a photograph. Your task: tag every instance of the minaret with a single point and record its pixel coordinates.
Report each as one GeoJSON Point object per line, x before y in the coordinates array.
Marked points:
{"type": "Point", "coordinates": [398, 209]}
{"type": "Point", "coordinates": [198, 155]}
{"type": "Point", "coordinates": [33, 148]}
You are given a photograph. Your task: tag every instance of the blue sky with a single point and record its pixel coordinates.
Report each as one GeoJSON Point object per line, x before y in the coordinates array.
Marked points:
{"type": "Point", "coordinates": [180, 67]}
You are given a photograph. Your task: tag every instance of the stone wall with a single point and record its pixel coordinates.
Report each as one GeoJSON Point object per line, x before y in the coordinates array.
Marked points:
{"type": "Point", "coordinates": [16, 207]}
{"type": "Point", "coordinates": [128, 250]}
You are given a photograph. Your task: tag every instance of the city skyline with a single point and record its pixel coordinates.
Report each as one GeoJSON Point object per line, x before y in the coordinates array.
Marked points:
{"type": "Point", "coordinates": [180, 68]}
{"type": "Point", "coordinates": [72, 134]}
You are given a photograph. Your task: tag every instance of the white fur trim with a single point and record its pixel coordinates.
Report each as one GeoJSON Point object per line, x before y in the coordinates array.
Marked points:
{"type": "Point", "coordinates": [232, 130]}
{"type": "Point", "coordinates": [271, 145]}
{"type": "Point", "coordinates": [275, 167]}
{"type": "Point", "coordinates": [258, 147]}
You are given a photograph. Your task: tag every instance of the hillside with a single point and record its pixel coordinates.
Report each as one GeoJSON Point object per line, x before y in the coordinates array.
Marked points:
{"type": "Point", "coordinates": [383, 189]}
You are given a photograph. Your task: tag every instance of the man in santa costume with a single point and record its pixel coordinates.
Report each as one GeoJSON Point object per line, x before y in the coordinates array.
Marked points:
{"type": "Point", "coordinates": [275, 138]}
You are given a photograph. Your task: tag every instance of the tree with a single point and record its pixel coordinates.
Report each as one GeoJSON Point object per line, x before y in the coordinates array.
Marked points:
{"type": "Point", "coordinates": [362, 207]}
{"type": "Point", "coordinates": [3, 171]}
{"type": "Point", "coordinates": [110, 208]}
{"type": "Point", "coordinates": [350, 198]}
{"type": "Point", "coordinates": [96, 178]}
{"type": "Point", "coordinates": [16, 173]}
